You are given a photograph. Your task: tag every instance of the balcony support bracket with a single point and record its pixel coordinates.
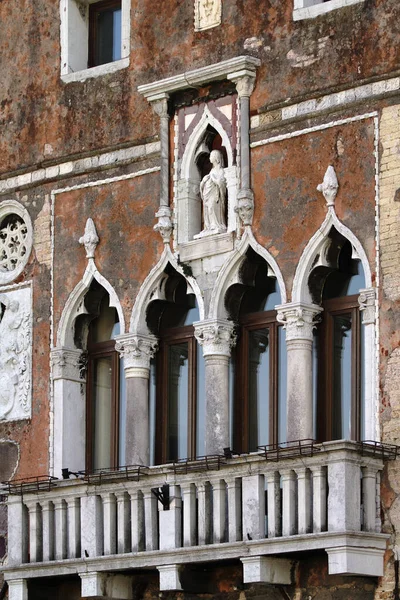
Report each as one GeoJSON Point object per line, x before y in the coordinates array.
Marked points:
{"type": "Point", "coordinates": [267, 569]}
{"type": "Point", "coordinates": [349, 560]}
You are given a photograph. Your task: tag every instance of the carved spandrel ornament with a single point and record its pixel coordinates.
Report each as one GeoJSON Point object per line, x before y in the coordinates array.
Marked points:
{"type": "Point", "coordinates": [207, 14]}
{"type": "Point", "coordinates": [15, 354]}
{"type": "Point", "coordinates": [213, 196]}
{"type": "Point", "coordinates": [90, 239]}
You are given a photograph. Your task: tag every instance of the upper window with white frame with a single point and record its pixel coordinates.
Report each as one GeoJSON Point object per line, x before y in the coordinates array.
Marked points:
{"type": "Point", "coordinates": [95, 37]}
{"type": "Point", "coordinates": [308, 9]}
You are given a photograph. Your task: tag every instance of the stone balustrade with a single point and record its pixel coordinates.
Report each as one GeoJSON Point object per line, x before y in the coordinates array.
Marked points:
{"type": "Point", "coordinates": [326, 498]}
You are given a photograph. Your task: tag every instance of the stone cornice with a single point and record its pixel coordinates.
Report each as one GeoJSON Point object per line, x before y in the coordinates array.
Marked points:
{"type": "Point", "coordinates": [218, 71]}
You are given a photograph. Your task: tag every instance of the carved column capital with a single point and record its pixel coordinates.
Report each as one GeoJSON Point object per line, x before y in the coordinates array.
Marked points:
{"type": "Point", "coordinates": [366, 300]}
{"type": "Point", "coordinates": [245, 81]}
{"type": "Point", "coordinates": [137, 350]}
{"type": "Point", "coordinates": [160, 105]}
{"type": "Point", "coordinates": [217, 337]}
{"type": "Point", "coordinates": [299, 320]}
{"type": "Point", "coordinates": [69, 363]}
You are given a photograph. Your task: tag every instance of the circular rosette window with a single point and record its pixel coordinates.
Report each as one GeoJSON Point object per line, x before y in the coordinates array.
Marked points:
{"type": "Point", "coordinates": [15, 240]}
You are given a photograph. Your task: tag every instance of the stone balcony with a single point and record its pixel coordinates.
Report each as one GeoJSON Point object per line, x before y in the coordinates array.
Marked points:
{"type": "Point", "coordinates": [259, 508]}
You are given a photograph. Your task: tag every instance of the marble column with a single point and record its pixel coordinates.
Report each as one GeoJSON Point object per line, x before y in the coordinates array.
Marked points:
{"type": "Point", "coordinates": [369, 411]}
{"type": "Point", "coordinates": [216, 338]}
{"type": "Point", "coordinates": [164, 226]}
{"type": "Point", "coordinates": [299, 321]}
{"type": "Point", "coordinates": [137, 350]}
{"type": "Point", "coordinates": [244, 81]}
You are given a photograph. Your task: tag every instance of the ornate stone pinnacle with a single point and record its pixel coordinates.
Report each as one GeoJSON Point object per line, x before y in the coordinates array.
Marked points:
{"type": "Point", "coordinates": [329, 186]}
{"type": "Point", "coordinates": [90, 238]}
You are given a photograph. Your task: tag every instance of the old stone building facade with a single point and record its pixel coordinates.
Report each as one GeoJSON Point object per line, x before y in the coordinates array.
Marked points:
{"type": "Point", "coordinates": [199, 299]}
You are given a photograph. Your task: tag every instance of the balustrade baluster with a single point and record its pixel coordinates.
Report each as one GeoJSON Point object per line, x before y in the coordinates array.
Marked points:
{"type": "Point", "coordinates": [369, 500]}
{"type": "Point", "coordinates": [219, 511]}
{"type": "Point", "coordinates": [274, 504]}
{"type": "Point", "coordinates": [234, 510]}
{"type": "Point", "coordinates": [48, 530]}
{"type": "Point", "coordinates": [189, 514]}
{"type": "Point", "coordinates": [35, 532]}
{"type": "Point", "coordinates": [74, 527]}
{"type": "Point", "coordinates": [304, 500]}
{"type": "Point", "coordinates": [344, 497]}
{"type": "Point", "coordinates": [18, 533]}
{"type": "Point", "coordinates": [137, 521]}
{"type": "Point", "coordinates": [92, 540]}
{"type": "Point", "coordinates": [60, 512]}
{"type": "Point", "coordinates": [110, 523]}
{"type": "Point", "coordinates": [123, 522]}
{"type": "Point", "coordinates": [319, 498]}
{"type": "Point", "coordinates": [205, 516]}
{"type": "Point", "coordinates": [288, 502]}
{"type": "Point", "coordinates": [150, 520]}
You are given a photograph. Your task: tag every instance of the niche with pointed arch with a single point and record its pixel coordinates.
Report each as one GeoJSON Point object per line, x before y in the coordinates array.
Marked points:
{"type": "Point", "coordinates": [202, 128]}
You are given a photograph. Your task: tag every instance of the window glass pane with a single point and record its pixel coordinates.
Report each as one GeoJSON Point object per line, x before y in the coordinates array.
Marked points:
{"type": "Point", "coordinates": [258, 388]}
{"type": "Point", "coordinates": [201, 404]}
{"type": "Point", "coordinates": [282, 384]}
{"type": "Point", "coordinates": [122, 413]}
{"type": "Point", "coordinates": [178, 377]}
{"type": "Point", "coordinates": [152, 411]}
{"type": "Point", "coordinates": [106, 326]}
{"type": "Point", "coordinates": [273, 299]}
{"type": "Point", "coordinates": [357, 282]}
{"type": "Point", "coordinates": [102, 412]}
{"type": "Point", "coordinates": [341, 417]}
{"type": "Point", "coordinates": [117, 35]}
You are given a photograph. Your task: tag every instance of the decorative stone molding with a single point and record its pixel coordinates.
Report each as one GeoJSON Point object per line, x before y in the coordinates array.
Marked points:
{"type": "Point", "coordinates": [245, 207]}
{"type": "Point", "coordinates": [16, 354]}
{"type": "Point", "coordinates": [329, 187]}
{"type": "Point", "coordinates": [16, 238]}
{"type": "Point", "coordinates": [298, 319]}
{"type": "Point", "coordinates": [137, 351]}
{"type": "Point", "coordinates": [207, 14]}
{"type": "Point", "coordinates": [90, 238]}
{"type": "Point", "coordinates": [164, 225]}
{"type": "Point", "coordinates": [366, 300]}
{"type": "Point", "coordinates": [68, 363]}
{"type": "Point", "coordinates": [216, 337]}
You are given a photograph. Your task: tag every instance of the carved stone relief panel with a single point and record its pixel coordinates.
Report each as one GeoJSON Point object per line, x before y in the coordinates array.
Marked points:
{"type": "Point", "coordinates": [15, 240]}
{"type": "Point", "coordinates": [15, 353]}
{"type": "Point", "coordinates": [207, 14]}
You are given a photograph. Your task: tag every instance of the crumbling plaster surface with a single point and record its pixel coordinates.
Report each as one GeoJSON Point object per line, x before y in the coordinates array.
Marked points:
{"type": "Point", "coordinates": [288, 207]}
{"type": "Point", "coordinates": [46, 119]}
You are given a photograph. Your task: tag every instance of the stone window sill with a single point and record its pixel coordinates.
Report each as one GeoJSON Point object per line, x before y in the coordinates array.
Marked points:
{"type": "Point", "coordinates": [96, 71]}
{"type": "Point", "coordinates": [310, 12]}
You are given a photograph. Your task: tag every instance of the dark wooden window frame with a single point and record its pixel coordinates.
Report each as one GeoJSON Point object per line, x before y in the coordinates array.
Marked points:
{"type": "Point", "coordinates": [170, 337]}
{"type": "Point", "coordinates": [247, 324]}
{"type": "Point", "coordinates": [347, 305]}
{"type": "Point", "coordinates": [96, 351]}
{"type": "Point", "coordinates": [94, 10]}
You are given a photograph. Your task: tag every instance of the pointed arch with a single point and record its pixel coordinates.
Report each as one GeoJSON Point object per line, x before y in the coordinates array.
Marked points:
{"type": "Point", "coordinates": [153, 285]}
{"type": "Point", "coordinates": [229, 273]}
{"type": "Point", "coordinates": [75, 305]}
{"type": "Point", "coordinates": [189, 155]}
{"type": "Point", "coordinates": [315, 252]}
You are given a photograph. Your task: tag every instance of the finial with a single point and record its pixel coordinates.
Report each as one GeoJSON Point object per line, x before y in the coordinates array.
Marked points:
{"type": "Point", "coordinates": [329, 186]}
{"type": "Point", "coordinates": [90, 238]}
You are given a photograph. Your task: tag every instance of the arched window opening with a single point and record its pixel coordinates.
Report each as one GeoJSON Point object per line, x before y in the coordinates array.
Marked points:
{"type": "Point", "coordinates": [339, 393]}
{"type": "Point", "coordinates": [177, 397]}
{"type": "Point", "coordinates": [258, 362]}
{"type": "Point", "coordinates": [95, 332]}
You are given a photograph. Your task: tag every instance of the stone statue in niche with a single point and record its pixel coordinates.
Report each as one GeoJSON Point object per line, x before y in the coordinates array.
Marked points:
{"type": "Point", "coordinates": [15, 349]}
{"type": "Point", "coordinates": [213, 196]}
